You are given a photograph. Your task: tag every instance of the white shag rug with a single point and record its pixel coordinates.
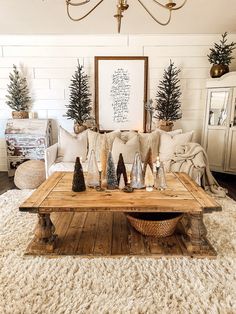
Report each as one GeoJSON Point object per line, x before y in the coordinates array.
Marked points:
{"type": "Point", "coordinates": [66, 285]}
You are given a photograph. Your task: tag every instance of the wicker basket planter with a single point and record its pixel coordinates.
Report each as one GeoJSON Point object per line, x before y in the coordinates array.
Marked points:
{"type": "Point", "coordinates": [157, 225]}
{"type": "Point", "coordinates": [20, 114]}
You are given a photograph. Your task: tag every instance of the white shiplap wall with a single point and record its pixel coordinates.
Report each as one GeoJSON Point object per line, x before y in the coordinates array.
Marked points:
{"type": "Point", "coordinates": [50, 61]}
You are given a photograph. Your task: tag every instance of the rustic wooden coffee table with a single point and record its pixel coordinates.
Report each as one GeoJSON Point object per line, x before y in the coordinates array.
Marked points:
{"type": "Point", "coordinates": [93, 223]}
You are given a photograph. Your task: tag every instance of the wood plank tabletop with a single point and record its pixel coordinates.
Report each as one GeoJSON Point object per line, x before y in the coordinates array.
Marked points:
{"type": "Point", "coordinates": [181, 195]}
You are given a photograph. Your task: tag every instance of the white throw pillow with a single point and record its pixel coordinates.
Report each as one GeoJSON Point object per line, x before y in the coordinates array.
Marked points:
{"type": "Point", "coordinates": [169, 142]}
{"type": "Point", "coordinates": [149, 140]}
{"type": "Point", "coordinates": [70, 147]}
{"type": "Point", "coordinates": [128, 149]}
{"type": "Point", "coordinates": [174, 132]}
{"type": "Point", "coordinates": [96, 140]}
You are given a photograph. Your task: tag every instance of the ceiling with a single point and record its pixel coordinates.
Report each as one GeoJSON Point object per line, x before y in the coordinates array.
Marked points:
{"type": "Point", "coordinates": [49, 17]}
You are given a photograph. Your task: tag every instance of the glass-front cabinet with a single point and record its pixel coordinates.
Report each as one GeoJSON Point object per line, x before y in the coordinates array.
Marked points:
{"type": "Point", "coordinates": [219, 135]}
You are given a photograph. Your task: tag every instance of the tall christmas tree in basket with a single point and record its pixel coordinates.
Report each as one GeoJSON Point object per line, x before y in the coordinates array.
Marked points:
{"type": "Point", "coordinates": [18, 97]}
{"type": "Point", "coordinates": [168, 108]}
{"type": "Point", "coordinates": [79, 107]}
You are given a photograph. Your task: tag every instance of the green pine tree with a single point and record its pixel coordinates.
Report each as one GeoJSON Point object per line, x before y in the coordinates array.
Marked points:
{"type": "Point", "coordinates": [168, 106]}
{"type": "Point", "coordinates": [222, 52]}
{"type": "Point", "coordinates": [18, 92]}
{"type": "Point", "coordinates": [79, 107]}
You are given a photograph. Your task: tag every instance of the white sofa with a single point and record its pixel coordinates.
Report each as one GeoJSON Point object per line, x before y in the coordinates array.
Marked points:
{"type": "Point", "coordinates": [61, 156]}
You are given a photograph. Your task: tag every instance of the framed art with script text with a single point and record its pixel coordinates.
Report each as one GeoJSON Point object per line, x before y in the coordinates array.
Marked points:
{"type": "Point", "coordinates": [121, 93]}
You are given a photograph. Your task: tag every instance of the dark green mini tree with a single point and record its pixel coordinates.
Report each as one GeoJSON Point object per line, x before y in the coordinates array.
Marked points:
{"type": "Point", "coordinates": [18, 92]}
{"type": "Point", "coordinates": [222, 52]}
{"type": "Point", "coordinates": [78, 184]}
{"type": "Point", "coordinates": [79, 107]}
{"type": "Point", "coordinates": [168, 106]}
{"type": "Point", "coordinates": [111, 173]}
{"type": "Point", "coordinates": [121, 170]}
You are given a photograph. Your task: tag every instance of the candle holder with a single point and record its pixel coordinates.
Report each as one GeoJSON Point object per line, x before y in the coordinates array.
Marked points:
{"type": "Point", "coordinates": [128, 189]}
{"type": "Point", "coordinates": [100, 188]}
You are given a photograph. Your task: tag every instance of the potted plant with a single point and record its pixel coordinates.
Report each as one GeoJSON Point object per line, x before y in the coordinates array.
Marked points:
{"type": "Point", "coordinates": [168, 106]}
{"type": "Point", "coordinates": [221, 56]}
{"type": "Point", "coordinates": [79, 107]}
{"type": "Point", "coordinates": [18, 95]}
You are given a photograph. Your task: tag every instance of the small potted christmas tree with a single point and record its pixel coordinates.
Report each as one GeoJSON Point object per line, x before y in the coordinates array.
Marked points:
{"type": "Point", "coordinates": [18, 95]}
{"type": "Point", "coordinates": [168, 108]}
{"type": "Point", "coordinates": [221, 56]}
{"type": "Point", "coordinates": [79, 107]}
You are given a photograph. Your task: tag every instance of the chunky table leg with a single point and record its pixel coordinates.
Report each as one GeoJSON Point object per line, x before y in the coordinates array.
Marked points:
{"type": "Point", "coordinates": [196, 233]}
{"type": "Point", "coordinates": [44, 233]}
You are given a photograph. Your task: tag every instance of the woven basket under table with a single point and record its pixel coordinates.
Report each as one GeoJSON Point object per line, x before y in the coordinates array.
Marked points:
{"type": "Point", "coordinates": [157, 225]}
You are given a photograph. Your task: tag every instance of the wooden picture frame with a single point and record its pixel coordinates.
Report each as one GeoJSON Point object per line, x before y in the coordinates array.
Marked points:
{"type": "Point", "coordinates": [121, 93]}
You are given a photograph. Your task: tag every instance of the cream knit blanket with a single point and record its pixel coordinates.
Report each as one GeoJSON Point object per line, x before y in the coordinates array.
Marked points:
{"type": "Point", "coordinates": [192, 159]}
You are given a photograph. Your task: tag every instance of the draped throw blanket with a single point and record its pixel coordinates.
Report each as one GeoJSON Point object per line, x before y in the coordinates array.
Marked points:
{"type": "Point", "coordinates": [192, 159]}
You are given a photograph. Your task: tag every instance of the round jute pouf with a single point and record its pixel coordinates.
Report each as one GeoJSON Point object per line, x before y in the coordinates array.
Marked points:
{"type": "Point", "coordinates": [30, 174]}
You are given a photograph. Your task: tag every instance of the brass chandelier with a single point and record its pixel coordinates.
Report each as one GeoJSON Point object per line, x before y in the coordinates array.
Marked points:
{"type": "Point", "coordinates": [122, 6]}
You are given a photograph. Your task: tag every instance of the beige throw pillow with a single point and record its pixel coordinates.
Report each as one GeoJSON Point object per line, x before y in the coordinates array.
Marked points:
{"type": "Point", "coordinates": [169, 142]}
{"type": "Point", "coordinates": [70, 147]}
{"type": "Point", "coordinates": [127, 149]}
{"type": "Point", "coordinates": [96, 140]}
{"type": "Point", "coordinates": [149, 140]}
{"type": "Point", "coordinates": [127, 135]}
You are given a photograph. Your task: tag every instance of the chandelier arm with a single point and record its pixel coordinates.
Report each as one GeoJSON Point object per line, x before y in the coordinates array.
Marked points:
{"type": "Point", "coordinates": [84, 16]}
{"type": "Point", "coordinates": [174, 8]}
{"type": "Point", "coordinates": [77, 4]}
{"type": "Point", "coordinates": [153, 17]}
{"type": "Point", "coordinates": [177, 8]}
{"type": "Point", "coordinates": [161, 5]}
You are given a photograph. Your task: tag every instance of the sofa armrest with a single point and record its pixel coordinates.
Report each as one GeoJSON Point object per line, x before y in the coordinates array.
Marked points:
{"type": "Point", "coordinates": [50, 157]}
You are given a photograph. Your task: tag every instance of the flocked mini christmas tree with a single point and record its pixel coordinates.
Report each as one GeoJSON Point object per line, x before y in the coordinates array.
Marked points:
{"type": "Point", "coordinates": [122, 184]}
{"type": "Point", "coordinates": [149, 179]}
{"type": "Point", "coordinates": [93, 172]}
{"type": "Point", "coordinates": [18, 92]}
{"type": "Point", "coordinates": [168, 106]}
{"type": "Point", "coordinates": [121, 170]}
{"type": "Point", "coordinates": [111, 173]}
{"type": "Point", "coordinates": [79, 107]}
{"type": "Point", "coordinates": [78, 184]}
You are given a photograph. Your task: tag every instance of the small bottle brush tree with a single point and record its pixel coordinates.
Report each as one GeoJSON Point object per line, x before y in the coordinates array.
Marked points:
{"type": "Point", "coordinates": [78, 183]}
{"type": "Point", "coordinates": [111, 173]}
{"type": "Point", "coordinates": [79, 107]}
{"type": "Point", "coordinates": [18, 92]}
{"type": "Point", "coordinates": [168, 106]}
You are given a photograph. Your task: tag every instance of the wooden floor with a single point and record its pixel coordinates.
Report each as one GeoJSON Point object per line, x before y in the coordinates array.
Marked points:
{"type": "Point", "coordinates": [228, 181]}
{"type": "Point", "coordinates": [6, 183]}
{"type": "Point", "coordinates": [110, 234]}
